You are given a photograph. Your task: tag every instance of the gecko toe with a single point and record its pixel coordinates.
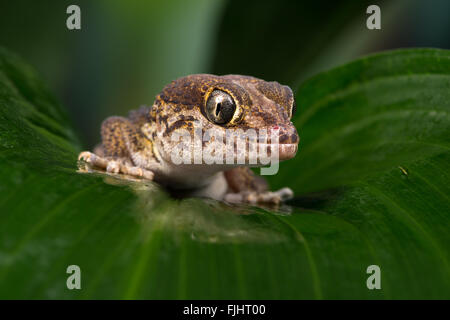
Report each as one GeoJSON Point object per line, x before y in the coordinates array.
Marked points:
{"type": "Point", "coordinates": [85, 156]}
{"type": "Point", "coordinates": [113, 167]}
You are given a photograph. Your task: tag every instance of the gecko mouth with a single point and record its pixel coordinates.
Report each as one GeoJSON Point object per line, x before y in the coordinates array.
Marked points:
{"type": "Point", "coordinates": [287, 151]}
{"type": "Point", "coordinates": [275, 152]}
{"type": "Point", "coordinates": [281, 151]}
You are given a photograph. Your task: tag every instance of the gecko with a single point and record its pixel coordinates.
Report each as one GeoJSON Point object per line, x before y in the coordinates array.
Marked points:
{"type": "Point", "coordinates": [141, 145]}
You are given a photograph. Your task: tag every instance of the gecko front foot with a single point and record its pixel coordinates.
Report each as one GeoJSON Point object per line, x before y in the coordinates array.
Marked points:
{"type": "Point", "coordinates": [113, 166]}
{"type": "Point", "coordinates": [267, 197]}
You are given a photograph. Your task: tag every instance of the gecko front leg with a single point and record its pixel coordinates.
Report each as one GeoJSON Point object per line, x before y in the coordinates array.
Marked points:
{"type": "Point", "coordinates": [121, 141]}
{"type": "Point", "coordinates": [114, 166]}
{"type": "Point", "coordinates": [246, 187]}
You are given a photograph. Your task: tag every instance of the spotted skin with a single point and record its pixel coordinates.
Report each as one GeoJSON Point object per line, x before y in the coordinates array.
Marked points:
{"type": "Point", "coordinates": [141, 143]}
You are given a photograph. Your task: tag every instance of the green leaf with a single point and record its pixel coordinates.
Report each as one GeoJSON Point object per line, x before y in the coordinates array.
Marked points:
{"type": "Point", "coordinates": [365, 117]}
{"type": "Point", "coordinates": [371, 177]}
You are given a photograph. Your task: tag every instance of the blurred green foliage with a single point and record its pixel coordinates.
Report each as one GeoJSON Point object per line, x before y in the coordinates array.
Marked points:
{"type": "Point", "coordinates": [378, 197]}
{"type": "Point", "coordinates": [120, 59]}
{"type": "Point", "coordinates": [376, 147]}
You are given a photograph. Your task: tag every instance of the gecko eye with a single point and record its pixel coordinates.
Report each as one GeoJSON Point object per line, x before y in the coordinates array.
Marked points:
{"type": "Point", "coordinates": [220, 107]}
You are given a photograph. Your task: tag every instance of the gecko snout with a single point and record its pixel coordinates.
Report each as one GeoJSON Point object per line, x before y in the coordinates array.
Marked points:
{"type": "Point", "coordinates": [288, 140]}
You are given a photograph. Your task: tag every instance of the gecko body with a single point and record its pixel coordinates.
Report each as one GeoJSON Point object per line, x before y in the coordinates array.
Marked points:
{"type": "Point", "coordinates": [144, 143]}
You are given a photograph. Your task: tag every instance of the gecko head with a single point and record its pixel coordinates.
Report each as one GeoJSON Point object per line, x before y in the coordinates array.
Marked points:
{"type": "Point", "coordinates": [225, 117]}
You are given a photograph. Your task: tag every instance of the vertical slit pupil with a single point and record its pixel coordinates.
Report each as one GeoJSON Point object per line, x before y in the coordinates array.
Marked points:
{"type": "Point", "coordinates": [218, 106]}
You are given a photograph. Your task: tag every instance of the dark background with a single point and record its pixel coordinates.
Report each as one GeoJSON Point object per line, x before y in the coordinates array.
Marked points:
{"type": "Point", "coordinates": [127, 51]}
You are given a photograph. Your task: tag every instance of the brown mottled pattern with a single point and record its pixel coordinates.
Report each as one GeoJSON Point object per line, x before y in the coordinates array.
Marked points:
{"type": "Point", "coordinates": [264, 104]}
{"type": "Point", "coordinates": [277, 93]}
{"type": "Point", "coordinates": [243, 179]}
{"type": "Point", "coordinates": [113, 130]}
{"type": "Point", "coordinates": [116, 132]}
{"type": "Point", "coordinates": [146, 132]}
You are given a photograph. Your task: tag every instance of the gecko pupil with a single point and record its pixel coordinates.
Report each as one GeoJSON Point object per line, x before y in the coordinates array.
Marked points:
{"type": "Point", "coordinates": [220, 107]}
